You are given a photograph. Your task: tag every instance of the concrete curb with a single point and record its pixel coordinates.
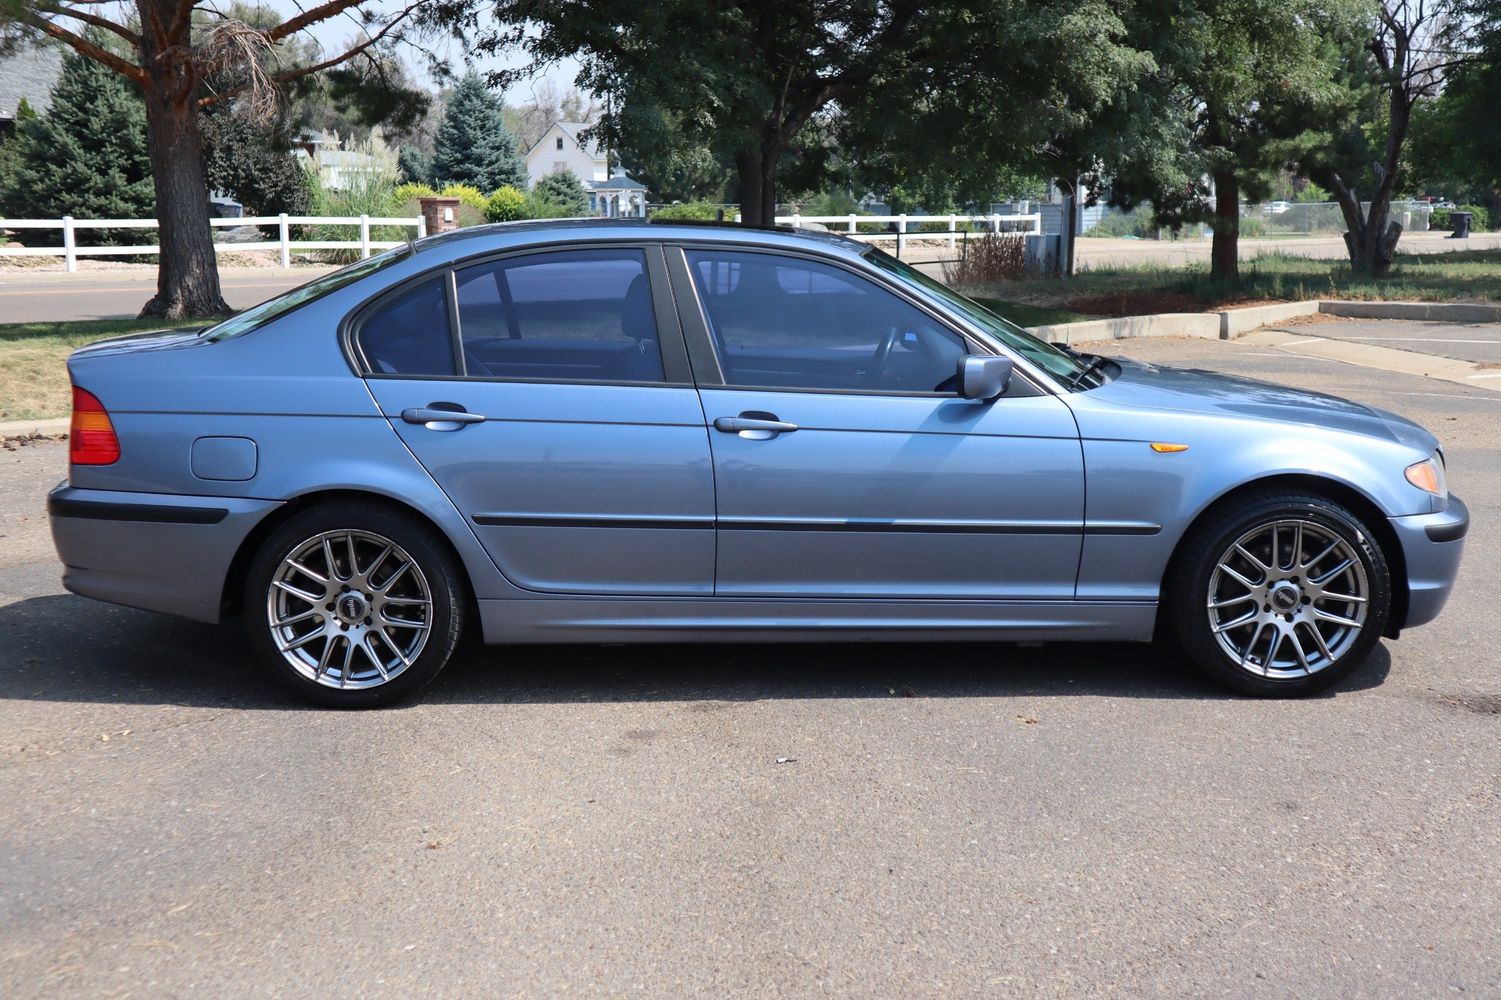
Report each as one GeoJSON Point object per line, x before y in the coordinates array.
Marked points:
{"type": "Point", "coordinates": [1449, 312]}
{"type": "Point", "coordinates": [1234, 322]}
{"type": "Point", "coordinates": [1160, 325]}
{"type": "Point", "coordinates": [26, 428]}
{"type": "Point", "coordinates": [1227, 324]}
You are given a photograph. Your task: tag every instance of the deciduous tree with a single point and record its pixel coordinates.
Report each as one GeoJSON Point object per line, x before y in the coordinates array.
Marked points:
{"type": "Point", "coordinates": [743, 79]}
{"type": "Point", "coordinates": [167, 52]}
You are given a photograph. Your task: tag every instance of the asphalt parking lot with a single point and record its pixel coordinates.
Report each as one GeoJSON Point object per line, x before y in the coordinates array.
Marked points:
{"type": "Point", "coordinates": [950, 821]}
{"type": "Point", "coordinates": [1478, 342]}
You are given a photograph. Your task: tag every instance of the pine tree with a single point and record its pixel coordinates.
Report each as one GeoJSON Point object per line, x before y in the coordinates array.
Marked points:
{"type": "Point", "coordinates": [473, 144]}
{"type": "Point", "coordinates": [86, 157]}
{"type": "Point", "coordinates": [564, 189]}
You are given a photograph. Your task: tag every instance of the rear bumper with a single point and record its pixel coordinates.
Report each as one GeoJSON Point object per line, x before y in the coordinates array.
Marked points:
{"type": "Point", "coordinates": [1432, 545]}
{"type": "Point", "coordinates": [146, 550]}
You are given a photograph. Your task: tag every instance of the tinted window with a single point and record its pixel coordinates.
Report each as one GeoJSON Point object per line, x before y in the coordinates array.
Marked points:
{"type": "Point", "coordinates": [793, 323]}
{"type": "Point", "coordinates": [258, 316]}
{"type": "Point", "coordinates": [578, 315]}
{"type": "Point", "coordinates": [408, 334]}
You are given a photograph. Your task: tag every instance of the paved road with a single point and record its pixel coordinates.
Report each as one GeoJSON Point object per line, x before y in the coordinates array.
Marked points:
{"type": "Point", "coordinates": [959, 821]}
{"type": "Point", "coordinates": [119, 292]}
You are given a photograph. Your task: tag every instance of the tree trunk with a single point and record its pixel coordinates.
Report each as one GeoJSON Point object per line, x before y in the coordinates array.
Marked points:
{"type": "Point", "coordinates": [1070, 227]}
{"type": "Point", "coordinates": [187, 281]}
{"type": "Point", "coordinates": [1224, 252]}
{"type": "Point", "coordinates": [748, 166]}
{"type": "Point", "coordinates": [757, 169]}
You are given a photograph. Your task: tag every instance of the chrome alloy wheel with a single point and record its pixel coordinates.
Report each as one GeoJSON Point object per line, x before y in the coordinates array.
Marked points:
{"type": "Point", "coordinates": [349, 609]}
{"type": "Point", "coordinates": [1287, 599]}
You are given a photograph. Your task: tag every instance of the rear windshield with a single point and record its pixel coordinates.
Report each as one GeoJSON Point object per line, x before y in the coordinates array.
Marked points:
{"type": "Point", "coordinates": [258, 316]}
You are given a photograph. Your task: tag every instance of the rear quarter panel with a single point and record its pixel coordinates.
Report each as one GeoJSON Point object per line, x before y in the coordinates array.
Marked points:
{"type": "Point", "coordinates": [288, 388]}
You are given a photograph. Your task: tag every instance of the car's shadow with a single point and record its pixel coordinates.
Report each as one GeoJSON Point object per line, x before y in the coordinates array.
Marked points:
{"type": "Point", "coordinates": [65, 648]}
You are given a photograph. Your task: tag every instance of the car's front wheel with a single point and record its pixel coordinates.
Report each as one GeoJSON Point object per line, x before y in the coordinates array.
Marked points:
{"type": "Point", "coordinates": [1280, 594]}
{"type": "Point", "coordinates": [354, 605]}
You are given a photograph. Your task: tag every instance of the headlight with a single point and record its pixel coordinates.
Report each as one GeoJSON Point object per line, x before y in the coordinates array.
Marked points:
{"type": "Point", "coordinates": [1428, 476]}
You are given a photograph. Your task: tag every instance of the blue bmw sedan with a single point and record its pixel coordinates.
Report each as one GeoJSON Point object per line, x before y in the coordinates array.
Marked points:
{"type": "Point", "coordinates": [625, 432]}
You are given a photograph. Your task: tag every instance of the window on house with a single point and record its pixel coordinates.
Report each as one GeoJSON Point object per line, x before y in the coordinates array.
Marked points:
{"type": "Point", "coordinates": [560, 142]}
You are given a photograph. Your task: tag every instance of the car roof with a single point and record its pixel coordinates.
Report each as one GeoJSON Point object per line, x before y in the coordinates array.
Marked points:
{"type": "Point", "coordinates": [498, 235]}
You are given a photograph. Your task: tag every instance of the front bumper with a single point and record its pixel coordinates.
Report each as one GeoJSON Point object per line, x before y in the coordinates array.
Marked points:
{"type": "Point", "coordinates": [1432, 545]}
{"type": "Point", "coordinates": [155, 551]}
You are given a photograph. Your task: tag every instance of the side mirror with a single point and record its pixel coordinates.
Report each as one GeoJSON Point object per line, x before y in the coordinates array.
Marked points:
{"type": "Point", "coordinates": [984, 376]}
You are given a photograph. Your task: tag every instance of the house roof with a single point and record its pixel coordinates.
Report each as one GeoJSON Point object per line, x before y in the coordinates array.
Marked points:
{"type": "Point", "coordinates": [620, 182]}
{"type": "Point", "coordinates": [571, 130]}
{"type": "Point", "coordinates": [30, 72]}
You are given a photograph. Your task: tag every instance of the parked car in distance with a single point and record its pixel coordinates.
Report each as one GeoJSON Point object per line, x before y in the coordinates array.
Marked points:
{"type": "Point", "coordinates": [616, 432]}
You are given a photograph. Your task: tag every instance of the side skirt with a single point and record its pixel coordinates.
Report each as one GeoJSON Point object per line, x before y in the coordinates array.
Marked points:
{"type": "Point", "coordinates": [585, 620]}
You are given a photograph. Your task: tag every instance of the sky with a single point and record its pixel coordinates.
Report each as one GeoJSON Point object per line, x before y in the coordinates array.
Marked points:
{"type": "Point", "coordinates": [335, 33]}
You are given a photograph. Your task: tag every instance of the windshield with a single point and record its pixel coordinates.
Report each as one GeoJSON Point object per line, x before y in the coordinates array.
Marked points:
{"type": "Point", "coordinates": [1065, 366]}
{"type": "Point", "coordinates": [258, 316]}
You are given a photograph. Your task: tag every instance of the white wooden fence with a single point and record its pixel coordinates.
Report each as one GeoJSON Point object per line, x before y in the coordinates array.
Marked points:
{"type": "Point", "coordinates": [71, 251]}
{"type": "Point", "coordinates": [849, 225]}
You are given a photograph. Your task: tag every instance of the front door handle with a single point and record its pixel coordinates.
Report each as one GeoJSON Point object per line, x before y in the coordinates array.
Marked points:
{"type": "Point", "coordinates": [754, 426]}
{"type": "Point", "coordinates": [441, 416]}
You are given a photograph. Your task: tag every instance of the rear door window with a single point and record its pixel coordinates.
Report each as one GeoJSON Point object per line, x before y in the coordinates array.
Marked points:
{"type": "Point", "coordinates": [564, 316]}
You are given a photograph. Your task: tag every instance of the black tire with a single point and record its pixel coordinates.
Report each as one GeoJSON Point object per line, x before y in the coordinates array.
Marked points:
{"type": "Point", "coordinates": [1188, 594]}
{"type": "Point", "coordinates": [429, 631]}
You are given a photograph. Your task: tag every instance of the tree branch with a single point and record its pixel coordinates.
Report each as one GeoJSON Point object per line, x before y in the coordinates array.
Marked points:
{"type": "Point", "coordinates": [322, 12]}
{"type": "Point", "coordinates": [94, 19]}
{"type": "Point", "coordinates": [296, 74]}
{"type": "Point", "coordinates": [126, 69]}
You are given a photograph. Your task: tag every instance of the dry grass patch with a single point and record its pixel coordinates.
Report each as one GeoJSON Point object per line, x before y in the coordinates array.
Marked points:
{"type": "Point", "coordinates": [34, 362]}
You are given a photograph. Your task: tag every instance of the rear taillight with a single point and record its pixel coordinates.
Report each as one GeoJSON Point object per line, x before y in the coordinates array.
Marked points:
{"type": "Point", "coordinates": [91, 440]}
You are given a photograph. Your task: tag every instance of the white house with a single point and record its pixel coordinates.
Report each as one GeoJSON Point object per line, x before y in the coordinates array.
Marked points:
{"type": "Point", "coordinates": [560, 149]}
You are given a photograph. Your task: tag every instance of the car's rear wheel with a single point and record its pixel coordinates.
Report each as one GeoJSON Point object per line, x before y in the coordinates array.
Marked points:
{"type": "Point", "coordinates": [354, 606]}
{"type": "Point", "coordinates": [1280, 594]}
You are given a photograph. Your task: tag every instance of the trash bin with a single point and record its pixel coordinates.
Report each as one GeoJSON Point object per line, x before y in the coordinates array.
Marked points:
{"type": "Point", "coordinates": [1461, 222]}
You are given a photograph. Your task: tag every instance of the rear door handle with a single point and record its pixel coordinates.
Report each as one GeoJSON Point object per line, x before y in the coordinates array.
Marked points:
{"type": "Point", "coordinates": [753, 428]}
{"type": "Point", "coordinates": [441, 416]}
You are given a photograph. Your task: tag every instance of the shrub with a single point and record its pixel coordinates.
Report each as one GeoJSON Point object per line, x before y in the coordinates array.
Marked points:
{"type": "Point", "coordinates": [991, 258]}
{"type": "Point", "coordinates": [1443, 218]}
{"type": "Point", "coordinates": [564, 188]}
{"type": "Point", "coordinates": [695, 211]}
{"type": "Point", "coordinates": [536, 204]}
{"type": "Point", "coordinates": [406, 192]}
{"type": "Point", "coordinates": [368, 192]}
{"type": "Point", "coordinates": [1252, 226]}
{"type": "Point", "coordinates": [468, 195]}
{"type": "Point", "coordinates": [505, 204]}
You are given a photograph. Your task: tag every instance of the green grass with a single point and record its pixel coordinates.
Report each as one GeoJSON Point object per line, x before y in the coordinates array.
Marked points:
{"type": "Point", "coordinates": [1467, 276]}
{"type": "Point", "coordinates": [33, 361]}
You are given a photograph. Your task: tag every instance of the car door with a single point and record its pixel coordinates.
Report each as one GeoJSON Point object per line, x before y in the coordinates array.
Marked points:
{"type": "Point", "coordinates": [548, 394]}
{"type": "Point", "coordinates": [845, 463]}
